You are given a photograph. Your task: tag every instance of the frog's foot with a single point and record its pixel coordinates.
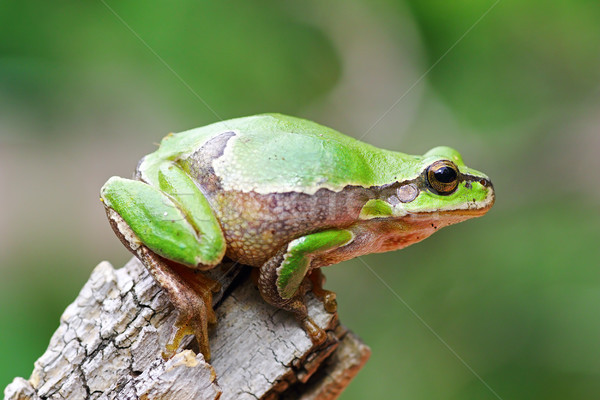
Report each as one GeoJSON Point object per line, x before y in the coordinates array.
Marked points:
{"type": "Point", "coordinates": [317, 279]}
{"type": "Point", "coordinates": [191, 295]}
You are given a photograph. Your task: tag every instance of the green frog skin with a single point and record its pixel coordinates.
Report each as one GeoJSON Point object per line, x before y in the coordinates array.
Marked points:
{"type": "Point", "coordinates": [284, 195]}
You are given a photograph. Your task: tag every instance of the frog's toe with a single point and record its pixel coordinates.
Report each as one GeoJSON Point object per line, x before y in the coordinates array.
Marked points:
{"type": "Point", "coordinates": [329, 301]}
{"type": "Point", "coordinates": [180, 330]}
{"type": "Point", "coordinates": [326, 296]}
{"type": "Point", "coordinates": [315, 333]}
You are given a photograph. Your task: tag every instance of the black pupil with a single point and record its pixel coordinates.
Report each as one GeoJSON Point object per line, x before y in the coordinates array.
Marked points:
{"type": "Point", "coordinates": [445, 175]}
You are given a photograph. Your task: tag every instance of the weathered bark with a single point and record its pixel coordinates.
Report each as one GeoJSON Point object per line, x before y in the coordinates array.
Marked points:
{"type": "Point", "coordinates": [110, 340]}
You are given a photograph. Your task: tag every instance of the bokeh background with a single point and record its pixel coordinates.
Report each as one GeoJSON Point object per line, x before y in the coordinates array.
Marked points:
{"type": "Point", "coordinates": [87, 88]}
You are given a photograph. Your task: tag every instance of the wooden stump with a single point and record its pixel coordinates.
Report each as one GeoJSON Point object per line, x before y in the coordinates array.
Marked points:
{"type": "Point", "coordinates": [110, 340]}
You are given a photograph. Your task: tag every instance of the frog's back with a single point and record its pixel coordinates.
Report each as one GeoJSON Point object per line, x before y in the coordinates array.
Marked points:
{"type": "Point", "coordinates": [277, 153]}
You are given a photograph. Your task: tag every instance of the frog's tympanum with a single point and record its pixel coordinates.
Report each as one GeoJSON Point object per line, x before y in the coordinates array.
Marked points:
{"type": "Point", "coordinates": [284, 195]}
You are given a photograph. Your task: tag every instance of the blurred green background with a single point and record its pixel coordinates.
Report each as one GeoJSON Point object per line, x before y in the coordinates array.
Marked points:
{"type": "Point", "coordinates": [514, 86]}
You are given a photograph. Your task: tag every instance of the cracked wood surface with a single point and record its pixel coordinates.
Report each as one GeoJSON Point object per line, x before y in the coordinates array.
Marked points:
{"type": "Point", "coordinates": [110, 340]}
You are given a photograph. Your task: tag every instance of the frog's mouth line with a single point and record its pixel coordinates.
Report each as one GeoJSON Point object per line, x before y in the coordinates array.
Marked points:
{"type": "Point", "coordinates": [472, 212]}
{"type": "Point", "coordinates": [465, 213]}
{"type": "Point", "coordinates": [449, 217]}
{"type": "Point", "coordinates": [476, 212]}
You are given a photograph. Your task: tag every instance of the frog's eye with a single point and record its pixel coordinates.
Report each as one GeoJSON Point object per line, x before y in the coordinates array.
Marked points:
{"type": "Point", "coordinates": [443, 176]}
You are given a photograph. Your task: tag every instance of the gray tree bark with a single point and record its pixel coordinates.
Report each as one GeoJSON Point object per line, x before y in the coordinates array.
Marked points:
{"type": "Point", "coordinates": [110, 340]}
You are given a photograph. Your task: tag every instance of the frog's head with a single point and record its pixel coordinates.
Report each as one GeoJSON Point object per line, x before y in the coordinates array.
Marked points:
{"type": "Point", "coordinates": [439, 190]}
{"type": "Point", "coordinates": [445, 189]}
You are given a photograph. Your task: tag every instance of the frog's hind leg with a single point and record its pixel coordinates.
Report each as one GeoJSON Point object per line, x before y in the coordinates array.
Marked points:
{"type": "Point", "coordinates": [282, 282]}
{"type": "Point", "coordinates": [190, 294]}
{"type": "Point", "coordinates": [169, 228]}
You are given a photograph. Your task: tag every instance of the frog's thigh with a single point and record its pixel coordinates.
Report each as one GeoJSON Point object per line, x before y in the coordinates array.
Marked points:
{"type": "Point", "coordinates": [177, 183]}
{"type": "Point", "coordinates": [162, 224]}
{"type": "Point", "coordinates": [299, 254]}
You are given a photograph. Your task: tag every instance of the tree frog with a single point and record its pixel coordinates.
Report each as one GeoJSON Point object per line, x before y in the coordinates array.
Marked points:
{"type": "Point", "coordinates": [284, 195]}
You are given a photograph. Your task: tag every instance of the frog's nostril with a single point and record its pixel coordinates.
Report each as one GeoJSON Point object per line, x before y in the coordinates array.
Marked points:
{"type": "Point", "coordinates": [486, 183]}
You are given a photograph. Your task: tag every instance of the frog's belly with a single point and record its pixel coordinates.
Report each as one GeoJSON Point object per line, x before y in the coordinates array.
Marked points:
{"type": "Point", "coordinates": [253, 242]}
{"type": "Point", "coordinates": [257, 226]}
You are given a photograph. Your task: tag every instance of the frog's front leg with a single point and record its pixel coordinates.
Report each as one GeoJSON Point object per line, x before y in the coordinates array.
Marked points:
{"type": "Point", "coordinates": [281, 278]}
{"type": "Point", "coordinates": [165, 222]}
